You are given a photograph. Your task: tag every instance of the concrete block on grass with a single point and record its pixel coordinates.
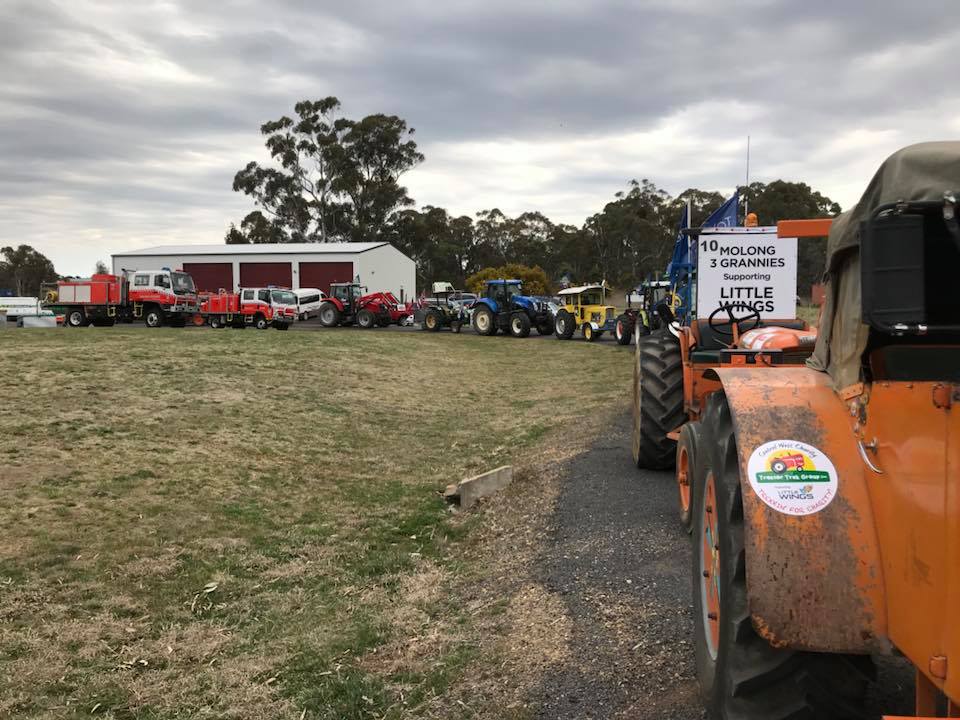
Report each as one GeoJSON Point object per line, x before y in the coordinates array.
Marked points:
{"type": "Point", "coordinates": [479, 486]}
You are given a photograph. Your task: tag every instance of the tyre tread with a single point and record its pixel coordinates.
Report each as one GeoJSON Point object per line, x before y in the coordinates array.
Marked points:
{"type": "Point", "coordinates": [659, 381]}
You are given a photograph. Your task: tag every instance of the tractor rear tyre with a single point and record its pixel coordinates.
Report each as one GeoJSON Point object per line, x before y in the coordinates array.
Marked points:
{"type": "Point", "coordinates": [742, 676]}
{"type": "Point", "coordinates": [564, 325]}
{"type": "Point", "coordinates": [329, 315]}
{"type": "Point", "coordinates": [432, 320]}
{"type": "Point", "coordinates": [657, 400]}
{"type": "Point", "coordinates": [623, 330]}
{"type": "Point", "coordinates": [519, 325]}
{"type": "Point", "coordinates": [483, 321]}
{"type": "Point", "coordinates": [153, 317]}
{"type": "Point", "coordinates": [366, 319]}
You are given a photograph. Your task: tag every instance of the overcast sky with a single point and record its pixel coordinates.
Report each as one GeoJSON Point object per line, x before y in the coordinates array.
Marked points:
{"type": "Point", "coordinates": [122, 123]}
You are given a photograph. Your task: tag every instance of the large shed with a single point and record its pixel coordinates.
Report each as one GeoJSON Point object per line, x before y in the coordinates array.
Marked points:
{"type": "Point", "coordinates": [378, 265]}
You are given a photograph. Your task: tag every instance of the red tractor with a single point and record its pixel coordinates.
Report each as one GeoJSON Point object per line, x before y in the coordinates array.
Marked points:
{"type": "Point", "coordinates": [347, 305]}
{"type": "Point", "coordinates": [787, 462]}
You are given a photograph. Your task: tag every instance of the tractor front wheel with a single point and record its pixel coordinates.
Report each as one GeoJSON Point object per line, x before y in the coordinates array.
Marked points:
{"type": "Point", "coordinates": [589, 334]}
{"type": "Point", "coordinates": [564, 325]}
{"type": "Point", "coordinates": [623, 330]}
{"type": "Point", "coordinates": [657, 400]}
{"type": "Point", "coordinates": [432, 320]}
{"type": "Point", "coordinates": [483, 321]}
{"type": "Point", "coordinates": [366, 319]}
{"type": "Point", "coordinates": [740, 674]}
{"type": "Point", "coordinates": [329, 315]}
{"type": "Point", "coordinates": [519, 325]}
{"type": "Point", "coordinates": [688, 460]}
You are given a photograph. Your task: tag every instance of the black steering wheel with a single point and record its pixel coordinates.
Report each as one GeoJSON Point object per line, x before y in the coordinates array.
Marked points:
{"type": "Point", "coordinates": [725, 326]}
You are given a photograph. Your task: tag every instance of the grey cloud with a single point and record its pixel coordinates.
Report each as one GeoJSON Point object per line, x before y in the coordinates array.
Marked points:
{"type": "Point", "coordinates": [109, 101]}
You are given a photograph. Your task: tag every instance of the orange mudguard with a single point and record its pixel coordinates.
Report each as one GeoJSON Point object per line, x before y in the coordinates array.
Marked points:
{"type": "Point", "coordinates": [813, 567]}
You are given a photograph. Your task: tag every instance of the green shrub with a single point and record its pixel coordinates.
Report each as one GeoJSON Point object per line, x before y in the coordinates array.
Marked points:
{"type": "Point", "coordinates": [535, 281]}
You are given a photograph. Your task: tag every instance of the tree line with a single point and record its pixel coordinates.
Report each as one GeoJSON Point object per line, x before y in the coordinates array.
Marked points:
{"type": "Point", "coordinates": [337, 179]}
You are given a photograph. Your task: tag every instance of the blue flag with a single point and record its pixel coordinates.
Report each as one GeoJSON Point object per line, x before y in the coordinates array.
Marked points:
{"type": "Point", "coordinates": [681, 247]}
{"type": "Point", "coordinates": [726, 214]}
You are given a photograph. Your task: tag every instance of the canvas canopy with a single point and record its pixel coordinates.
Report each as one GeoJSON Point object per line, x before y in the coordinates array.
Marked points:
{"type": "Point", "coordinates": [579, 289]}
{"type": "Point", "coordinates": [917, 172]}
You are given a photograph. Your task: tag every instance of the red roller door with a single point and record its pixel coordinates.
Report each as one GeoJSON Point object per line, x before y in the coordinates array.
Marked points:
{"type": "Point", "coordinates": [321, 274]}
{"type": "Point", "coordinates": [263, 274]}
{"type": "Point", "coordinates": [210, 277]}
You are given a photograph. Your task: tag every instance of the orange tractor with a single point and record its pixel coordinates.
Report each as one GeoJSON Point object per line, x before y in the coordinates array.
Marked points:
{"type": "Point", "coordinates": [821, 482]}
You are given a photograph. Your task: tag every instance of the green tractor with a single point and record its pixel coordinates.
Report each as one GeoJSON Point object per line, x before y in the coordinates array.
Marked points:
{"type": "Point", "coordinates": [446, 308]}
{"type": "Point", "coordinates": [656, 298]}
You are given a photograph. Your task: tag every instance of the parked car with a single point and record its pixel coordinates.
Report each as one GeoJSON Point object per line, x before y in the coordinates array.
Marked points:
{"type": "Point", "coordinates": [308, 302]}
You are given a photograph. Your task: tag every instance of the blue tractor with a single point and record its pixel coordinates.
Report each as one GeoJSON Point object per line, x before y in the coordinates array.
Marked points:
{"type": "Point", "coordinates": [505, 307]}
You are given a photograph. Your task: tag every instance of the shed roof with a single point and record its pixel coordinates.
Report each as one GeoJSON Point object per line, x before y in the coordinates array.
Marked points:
{"type": "Point", "coordinates": [255, 249]}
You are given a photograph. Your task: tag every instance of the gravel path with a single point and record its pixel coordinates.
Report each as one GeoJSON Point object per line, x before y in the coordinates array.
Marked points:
{"type": "Point", "coordinates": [617, 556]}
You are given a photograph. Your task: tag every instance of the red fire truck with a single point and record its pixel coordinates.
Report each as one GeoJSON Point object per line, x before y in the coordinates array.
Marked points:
{"type": "Point", "coordinates": [250, 306]}
{"type": "Point", "coordinates": [157, 296]}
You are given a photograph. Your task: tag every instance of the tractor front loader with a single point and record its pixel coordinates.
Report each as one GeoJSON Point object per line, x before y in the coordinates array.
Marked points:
{"type": "Point", "coordinates": [821, 485]}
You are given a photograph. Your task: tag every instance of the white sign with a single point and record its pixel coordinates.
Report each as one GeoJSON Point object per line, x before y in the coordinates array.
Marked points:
{"type": "Point", "coordinates": [746, 266]}
{"type": "Point", "coordinates": [792, 477]}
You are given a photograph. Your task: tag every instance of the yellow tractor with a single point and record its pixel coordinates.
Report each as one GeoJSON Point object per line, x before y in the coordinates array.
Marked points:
{"type": "Point", "coordinates": [585, 307]}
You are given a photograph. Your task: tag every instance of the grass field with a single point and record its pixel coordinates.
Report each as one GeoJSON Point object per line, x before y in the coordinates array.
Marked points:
{"type": "Point", "coordinates": [232, 524]}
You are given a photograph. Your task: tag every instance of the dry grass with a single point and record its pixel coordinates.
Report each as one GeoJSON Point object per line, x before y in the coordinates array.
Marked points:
{"type": "Point", "coordinates": [247, 525]}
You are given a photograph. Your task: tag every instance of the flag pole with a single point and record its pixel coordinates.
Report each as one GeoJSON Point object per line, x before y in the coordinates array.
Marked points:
{"type": "Point", "coordinates": [746, 185]}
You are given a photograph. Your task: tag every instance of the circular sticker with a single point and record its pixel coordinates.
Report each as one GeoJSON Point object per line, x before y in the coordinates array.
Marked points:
{"type": "Point", "coordinates": [792, 477]}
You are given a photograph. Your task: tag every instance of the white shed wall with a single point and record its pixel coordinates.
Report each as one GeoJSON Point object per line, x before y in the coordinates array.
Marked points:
{"type": "Point", "coordinates": [386, 268]}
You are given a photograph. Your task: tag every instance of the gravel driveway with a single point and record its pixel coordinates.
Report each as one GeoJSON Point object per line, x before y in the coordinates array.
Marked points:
{"type": "Point", "coordinates": [616, 555]}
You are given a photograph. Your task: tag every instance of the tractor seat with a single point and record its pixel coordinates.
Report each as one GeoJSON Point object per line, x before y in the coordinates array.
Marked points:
{"type": "Point", "coordinates": [710, 344]}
